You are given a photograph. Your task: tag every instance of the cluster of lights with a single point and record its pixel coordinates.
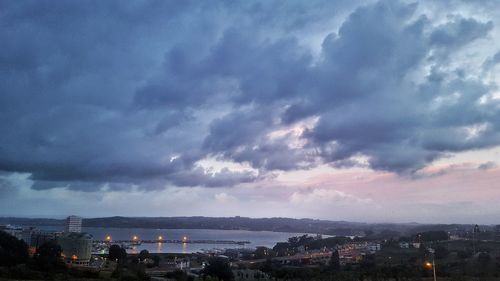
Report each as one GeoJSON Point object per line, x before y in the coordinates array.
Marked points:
{"type": "Point", "coordinates": [135, 238]}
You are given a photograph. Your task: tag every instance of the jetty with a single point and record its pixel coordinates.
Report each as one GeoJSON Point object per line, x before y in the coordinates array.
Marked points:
{"type": "Point", "coordinates": [175, 241]}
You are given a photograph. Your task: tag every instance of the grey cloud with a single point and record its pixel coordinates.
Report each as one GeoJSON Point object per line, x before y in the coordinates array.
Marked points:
{"type": "Point", "coordinates": [487, 165]}
{"type": "Point", "coordinates": [107, 94]}
{"type": "Point", "coordinates": [459, 32]}
{"type": "Point", "coordinates": [491, 61]}
{"type": "Point", "coordinates": [375, 110]}
{"type": "Point", "coordinates": [242, 137]}
{"type": "Point", "coordinates": [69, 73]}
{"type": "Point", "coordinates": [223, 178]}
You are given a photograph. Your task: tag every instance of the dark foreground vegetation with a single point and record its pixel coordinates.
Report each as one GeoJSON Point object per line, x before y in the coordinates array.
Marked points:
{"type": "Point", "coordinates": [45, 264]}
{"type": "Point", "coordinates": [393, 256]}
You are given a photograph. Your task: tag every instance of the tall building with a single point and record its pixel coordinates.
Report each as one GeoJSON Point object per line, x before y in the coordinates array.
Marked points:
{"type": "Point", "coordinates": [26, 235]}
{"type": "Point", "coordinates": [76, 248]}
{"type": "Point", "coordinates": [73, 224]}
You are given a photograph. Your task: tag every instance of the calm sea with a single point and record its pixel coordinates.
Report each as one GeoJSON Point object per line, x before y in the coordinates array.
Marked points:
{"type": "Point", "coordinates": [256, 238]}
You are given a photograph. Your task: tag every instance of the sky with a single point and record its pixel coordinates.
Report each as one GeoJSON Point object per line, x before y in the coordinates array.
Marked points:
{"type": "Point", "coordinates": [370, 111]}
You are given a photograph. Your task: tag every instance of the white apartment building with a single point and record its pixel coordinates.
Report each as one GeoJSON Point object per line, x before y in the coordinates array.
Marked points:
{"type": "Point", "coordinates": [73, 224]}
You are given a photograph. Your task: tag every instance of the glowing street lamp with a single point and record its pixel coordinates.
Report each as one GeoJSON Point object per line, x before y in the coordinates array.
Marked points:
{"type": "Point", "coordinates": [108, 238]}
{"type": "Point", "coordinates": [184, 239]}
{"type": "Point", "coordinates": [160, 238]}
{"type": "Point", "coordinates": [135, 238]}
{"type": "Point", "coordinates": [432, 266]}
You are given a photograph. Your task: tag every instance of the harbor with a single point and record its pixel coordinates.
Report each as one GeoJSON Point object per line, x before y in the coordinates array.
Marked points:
{"type": "Point", "coordinates": [174, 241]}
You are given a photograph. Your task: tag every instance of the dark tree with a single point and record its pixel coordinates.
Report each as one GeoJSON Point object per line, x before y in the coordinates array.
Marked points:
{"type": "Point", "coordinates": [143, 255]}
{"type": "Point", "coordinates": [368, 232]}
{"type": "Point", "coordinates": [117, 253]}
{"type": "Point", "coordinates": [283, 248]}
{"type": "Point", "coordinates": [441, 252]}
{"type": "Point", "coordinates": [293, 241]}
{"type": "Point", "coordinates": [48, 256]}
{"type": "Point", "coordinates": [483, 259]}
{"type": "Point", "coordinates": [329, 242]}
{"type": "Point", "coordinates": [263, 252]}
{"type": "Point", "coordinates": [368, 267]}
{"type": "Point", "coordinates": [114, 252]}
{"type": "Point", "coordinates": [464, 254]}
{"type": "Point", "coordinates": [12, 250]}
{"type": "Point", "coordinates": [156, 260]}
{"type": "Point", "coordinates": [219, 268]}
{"type": "Point", "coordinates": [178, 275]}
{"type": "Point", "coordinates": [335, 261]}
{"type": "Point", "coordinates": [267, 266]}
{"type": "Point", "coordinates": [430, 236]}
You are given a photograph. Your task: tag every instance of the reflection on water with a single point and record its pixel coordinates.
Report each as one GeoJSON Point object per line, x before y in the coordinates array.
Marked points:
{"type": "Point", "coordinates": [256, 238]}
{"type": "Point", "coordinates": [133, 250]}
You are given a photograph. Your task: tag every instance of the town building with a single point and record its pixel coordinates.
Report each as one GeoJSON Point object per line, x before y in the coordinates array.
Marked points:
{"type": "Point", "coordinates": [76, 248]}
{"type": "Point", "coordinates": [26, 235]}
{"type": "Point", "coordinates": [354, 252]}
{"type": "Point", "coordinates": [349, 255]}
{"type": "Point", "coordinates": [178, 263]}
{"type": "Point", "coordinates": [39, 237]}
{"type": "Point", "coordinates": [310, 257]}
{"type": "Point", "coordinates": [12, 230]}
{"type": "Point", "coordinates": [73, 224]}
{"type": "Point", "coordinates": [372, 248]}
{"type": "Point", "coordinates": [404, 245]}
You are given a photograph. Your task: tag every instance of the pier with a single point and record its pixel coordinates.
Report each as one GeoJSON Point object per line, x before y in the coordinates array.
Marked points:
{"type": "Point", "coordinates": [136, 241]}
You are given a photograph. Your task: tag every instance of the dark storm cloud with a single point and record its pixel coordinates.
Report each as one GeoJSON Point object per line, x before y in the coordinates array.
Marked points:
{"type": "Point", "coordinates": [69, 74]}
{"type": "Point", "coordinates": [117, 95]}
{"type": "Point", "coordinates": [241, 136]}
{"type": "Point", "coordinates": [366, 102]}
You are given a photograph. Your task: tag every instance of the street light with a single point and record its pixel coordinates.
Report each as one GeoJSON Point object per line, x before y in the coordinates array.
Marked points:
{"type": "Point", "coordinates": [108, 238]}
{"type": "Point", "coordinates": [432, 266]}
{"type": "Point", "coordinates": [135, 238]}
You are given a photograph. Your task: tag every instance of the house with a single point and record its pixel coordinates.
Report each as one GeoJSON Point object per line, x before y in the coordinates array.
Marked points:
{"type": "Point", "coordinates": [404, 245]}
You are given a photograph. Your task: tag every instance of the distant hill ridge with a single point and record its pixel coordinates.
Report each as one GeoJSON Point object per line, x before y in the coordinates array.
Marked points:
{"type": "Point", "coordinates": [241, 223]}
